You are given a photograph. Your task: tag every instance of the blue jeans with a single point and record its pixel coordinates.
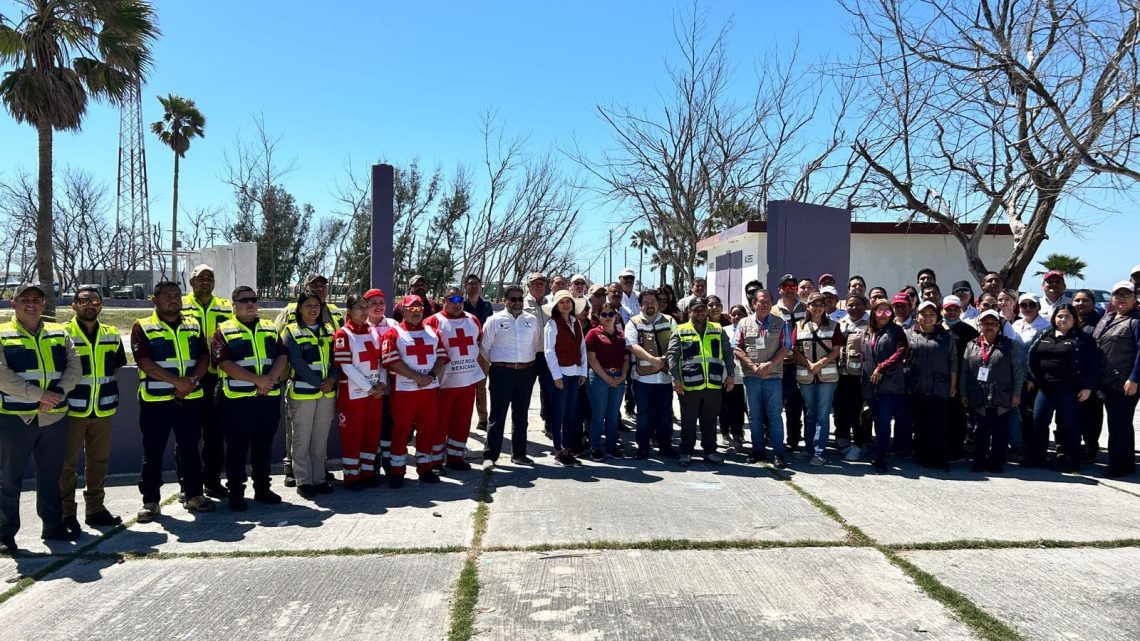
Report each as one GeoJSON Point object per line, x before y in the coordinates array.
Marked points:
{"type": "Point", "coordinates": [765, 400]}
{"type": "Point", "coordinates": [564, 426]}
{"type": "Point", "coordinates": [654, 417]}
{"type": "Point", "coordinates": [1064, 403]}
{"type": "Point", "coordinates": [605, 404]}
{"type": "Point", "coordinates": [817, 400]}
{"type": "Point", "coordinates": [885, 407]}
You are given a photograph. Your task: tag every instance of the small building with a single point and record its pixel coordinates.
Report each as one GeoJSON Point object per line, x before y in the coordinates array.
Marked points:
{"type": "Point", "coordinates": [809, 240]}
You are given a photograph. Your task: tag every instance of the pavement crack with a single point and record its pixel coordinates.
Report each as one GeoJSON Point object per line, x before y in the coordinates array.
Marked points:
{"type": "Point", "coordinates": [463, 611]}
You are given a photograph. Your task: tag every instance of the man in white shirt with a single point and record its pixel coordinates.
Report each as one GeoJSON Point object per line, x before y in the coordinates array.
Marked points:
{"type": "Point", "coordinates": [647, 335]}
{"type": "Point", "coordinates": [508, 344]}
{"type": "Point", "coordinates": [532, 304]}
{"type": "Point", "coordinates": [630, 298]}
{"type": "Point", "coordinates": [699, 288]}
{"type": "Point", "coordinates": [1053, 285]}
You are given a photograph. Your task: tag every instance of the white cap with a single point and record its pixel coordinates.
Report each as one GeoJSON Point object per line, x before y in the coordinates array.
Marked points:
{"type": "Point", "coordinates": [828, 289]}
{"type": "Point", "coordinates": [199, 269]}
{"type": "Point", "coordinates": [577, 277]}
{"type": "Point", "coordinates": [626, 272]}
{"type": "Point", "coordinates": [1123, 284]}
{"type": "Point", "coordinates": [1135, 269]}
{"type": "Point", "coordinates": [990, 313]}
{"type": "Point", "coordinates": [1028, 297]}
{"type": "Point", "coordinates": [951, 301]}
{"type": "Point", "coordinates": [927, 303]}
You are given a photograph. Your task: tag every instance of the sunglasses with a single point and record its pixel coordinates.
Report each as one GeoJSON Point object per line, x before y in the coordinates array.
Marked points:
{"type": "Point", "coordinates": [788, 288]}
{"type": "Point", "coordinates": [1028, 304]}
{"type": "Point", "coordinates": [627, 277]}
{"type": "Point", "coordinates": [247, 300]}
{"type": "Point", "coordinates": [579, 282]}
{"type": "Point", "coordinates": [514, 299]}
{"type": "Point", "coordinates": [607, 314]}
{"type": "Point", "coordinates": [455, 299]}
{"type": "Point", "coordinates": [882, 312]}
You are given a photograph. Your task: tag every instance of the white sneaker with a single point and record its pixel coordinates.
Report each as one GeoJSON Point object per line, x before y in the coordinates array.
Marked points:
{"type": "Point", "coordinates": [854, 453]}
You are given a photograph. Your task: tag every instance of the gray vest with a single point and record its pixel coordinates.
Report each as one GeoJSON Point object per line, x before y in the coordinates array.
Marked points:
{"type": "Point", "coordinates": [929, 361]}
{"type": "Point", "coordinates": [761, 346]}
{"type": "Point", "coordinates": [997, 390]}
{"type": "Point", "coordinates": [1117, 345]}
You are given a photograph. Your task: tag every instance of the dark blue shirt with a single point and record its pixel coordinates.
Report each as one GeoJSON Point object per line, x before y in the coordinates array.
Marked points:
{"type": "Point", "coordinates": [481, 310]}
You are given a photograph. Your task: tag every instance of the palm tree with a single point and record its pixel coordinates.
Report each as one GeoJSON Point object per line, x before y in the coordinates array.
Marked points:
{"type": "Point", "coordinates": [62, 53]}
{"type": "Point", "coordinates": [180, 122]}
{"type": "Point", "coordinates": [1067, 265]}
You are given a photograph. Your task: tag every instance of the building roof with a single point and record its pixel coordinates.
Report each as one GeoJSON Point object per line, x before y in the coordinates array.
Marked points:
{"type": "Point", "coordinates": [857, 227]}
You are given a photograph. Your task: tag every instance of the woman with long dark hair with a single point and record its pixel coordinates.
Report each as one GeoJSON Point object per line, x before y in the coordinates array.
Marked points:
{"type": "Point", "coordinates": [884, 384]}
{"type": "Point", "coordinates": [1063, 364]}
{"type": "Point", "coordinates": [669, 302]}
{"type": "Point", "coordinates": [1091, 411]}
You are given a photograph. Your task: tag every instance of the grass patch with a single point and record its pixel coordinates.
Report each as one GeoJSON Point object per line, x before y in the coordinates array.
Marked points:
{"type": "Point", "coordinates": [270, 554]}
{"type": "Point", "coordinates": [663, 545]}
{"type": "Point", "coordinates": [855, 536]}
{"type": "Point", "coordinates": [462, 626]}
{"type": "Point", "coordinates": [990, 544]}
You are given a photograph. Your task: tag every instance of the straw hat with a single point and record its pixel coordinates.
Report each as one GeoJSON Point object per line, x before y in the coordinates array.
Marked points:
{"type": "Point", "coordinates": [579, 303]}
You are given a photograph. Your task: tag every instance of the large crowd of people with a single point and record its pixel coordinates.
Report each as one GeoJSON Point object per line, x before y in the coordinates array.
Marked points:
{"type": "Point", "coordinates": [940, 378]}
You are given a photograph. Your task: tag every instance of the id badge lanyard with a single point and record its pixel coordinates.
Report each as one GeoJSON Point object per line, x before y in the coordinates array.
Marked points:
{"type": "Point", "coordinates": [984, 370]}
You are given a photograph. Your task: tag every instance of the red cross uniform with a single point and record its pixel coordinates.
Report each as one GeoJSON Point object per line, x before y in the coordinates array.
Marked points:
{"type": "Point", "coordinates": [461, 337]}
{"type": "Point", "coordinates": [419, 349]}
{"type": "Point", "coordinates": [357, 352]}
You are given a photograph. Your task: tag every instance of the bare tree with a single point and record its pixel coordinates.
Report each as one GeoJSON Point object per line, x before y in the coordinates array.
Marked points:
{"type": "Point", "coordinates": [704, 161]}
{"type": "Point", "coordinates": [203, 227]}
{"type": "Point", "coordinates": [18, 210]}
{"type": "Point", "coordinates": [82, 235]}
{"type": "Point", "coordinates": [989, 110]}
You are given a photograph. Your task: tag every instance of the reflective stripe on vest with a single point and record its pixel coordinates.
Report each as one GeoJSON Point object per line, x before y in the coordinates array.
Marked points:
{"type": "Point", "coordinates": [96, 392]}
{"type": "Point", "coordinates": [252, 350]}
{"type": "Point", "coordinates": [316, 351]}
{"type": "Point", "coordinates": [176, 351]}
{"type": "Point", "coordinates": [209, 316]}
{"type": "Point", "coordinates": [38, 359]}
{"type": "Point", "coordinates": [701, 364]}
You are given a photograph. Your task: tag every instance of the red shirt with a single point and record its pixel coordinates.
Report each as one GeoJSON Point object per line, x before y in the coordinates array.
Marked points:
{"type": "Point", "coordinates": [609, 350]}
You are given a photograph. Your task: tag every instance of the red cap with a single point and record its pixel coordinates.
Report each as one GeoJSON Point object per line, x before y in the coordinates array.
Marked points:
{"type": "Point", "coordinates": [900, 297]}
{"type": "Point", "coordinates": [1051, 273]}
{"type": "Point", "coordinates": [822, 276]}
{"type": "Point", "coordinates": [373, 292]}
{"type": "Point", "coordinates": [411, 300]}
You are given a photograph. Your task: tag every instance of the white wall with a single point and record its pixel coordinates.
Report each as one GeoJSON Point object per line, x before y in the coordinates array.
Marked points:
{"type": "Point", "coordinates": [888, 260]}
{"type": "Point", "coordinates": [233, 265]}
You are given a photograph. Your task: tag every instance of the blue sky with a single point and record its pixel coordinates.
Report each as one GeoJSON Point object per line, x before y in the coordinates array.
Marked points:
{"type": "Point", "coordinates": [366, 80]}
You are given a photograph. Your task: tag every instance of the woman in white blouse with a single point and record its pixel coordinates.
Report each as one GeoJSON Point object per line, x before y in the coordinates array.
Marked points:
{"type": "Point", "coordinates": [564, 347]}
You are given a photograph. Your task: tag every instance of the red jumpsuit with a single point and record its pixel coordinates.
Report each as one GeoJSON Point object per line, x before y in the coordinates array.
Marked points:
{"type": "Point", "coordinates": [419, 348]}
{"type": "Point", "coordinates": [357, 351]}
{"type": "Point", "coordinates": [461, 337]}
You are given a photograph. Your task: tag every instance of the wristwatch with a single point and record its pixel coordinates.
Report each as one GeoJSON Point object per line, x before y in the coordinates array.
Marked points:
{"type": "Point", "coordinates": [194, 381]}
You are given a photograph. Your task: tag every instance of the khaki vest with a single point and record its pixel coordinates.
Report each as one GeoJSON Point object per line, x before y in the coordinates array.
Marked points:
{"type": "Point", "coordinates": [761, 346]}
{"type": "Point", "coordinates": [653, 338]}
{"type": "Point", "coordinates": [814, 342]}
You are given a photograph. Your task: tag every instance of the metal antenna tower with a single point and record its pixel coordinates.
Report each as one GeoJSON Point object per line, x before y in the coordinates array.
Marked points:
{"type": "Point", "coordinates": [132, 226]}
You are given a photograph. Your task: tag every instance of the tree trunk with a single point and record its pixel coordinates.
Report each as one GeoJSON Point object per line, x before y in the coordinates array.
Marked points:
{"type": "Point", "coordinates": [174, 229]}
{"type": "Point", "coordinates": [45, 266]}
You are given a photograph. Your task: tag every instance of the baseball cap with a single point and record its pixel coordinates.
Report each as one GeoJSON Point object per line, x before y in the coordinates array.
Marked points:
{"type": "Point", "coordinates": [626, 272]}
{"type": "Point", "coordinates": [373, 292]}
{"type": "Point", "coordinates": [814, 296]}
{"type": "Point", "coordinates": [198, 269]}
{"type": "Point", "coordinates": [312, 278]}
{"type": "Point", "coordinates": [411, 300]}
{"type": "Point", "coordinates": [699, 301]}
{"type": "Point", "coordinates": [577, 277]}
{"type": "Point", "coordinates": [597, 289]}
{"type": "Point", "coordinates": [1051, 273]}
{"type": "Point", "coordinates": [25, 287]}
{"type": "Point", "coordinates": [1027, 297]}
{"type": "Point", "coordinates": [823, 276]}
{"type": "Point", "coordinates": [828, 289]}
{"type": "Point", "coordinates": [533, 276]}
{"type": "Point", "coordinates": [927, 303]}
{"type": "Point", "coordinates": [951, 301]}
{"type": "Point", "coordinates": [788, 278]}
{"type": "Point", "coordinates": [991, 313]}
{"type": "Point", "coordinates": [900, 297]}
{"type": "Point", "coordinates": [1120, 285]}
{"type": "Point", "coordinates": [1135, 270]}
{"type": "Point", "coordinates": [961, 284]}
{"type": "Point", "coordinates": [417, 278]}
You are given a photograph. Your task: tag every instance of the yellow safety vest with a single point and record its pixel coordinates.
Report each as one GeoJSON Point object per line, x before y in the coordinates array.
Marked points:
{"type": "Point", "coordinates": [701, 364]}
{"type": "Point", "coordinates": [39, 359]}
{"type": "Point", "coordinates": [317, 353]}
{"type": "Point", "coordinates": [252, 350]}
{"type": "Point", "coordinates": [209, 317]}
{"type": "Point", "coordinates": [176, 351]}
{"type": "Point", "coordinates": [97, 391]}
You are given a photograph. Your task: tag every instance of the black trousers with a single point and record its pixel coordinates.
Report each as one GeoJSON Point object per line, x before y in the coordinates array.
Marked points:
{"type": "Point", "coordinates": [848, 407]}
{"type": "Point", "coordinates": [1092, 421]}
{"type": "Point", "coordinates": [19, 442]}
{"type": "Point", "coordinates": [793, 408]}
{"type": "Point", "coordinates": [157, 420]}
{"type": "Point", "coordinates": [957, 429]}
{"type": "Point", "coordinates": [929, 413]}
{"type": "Point", "coordinates": [545, 383]}
{"type": "Point", "coordinates": [1121, 433]}
{"type": "Point", "coordinates": [250, 424]}
{"type": "Point", "coordinates": [509, 389]}
{"type": "Point", "coordinates": [699, 408]}
{"type": "Point", "coordinates": [732, 413]}
{"type": "Point", "coordinates": [213, 440]}
{"type": "Point", "coordinates": [991, 439]}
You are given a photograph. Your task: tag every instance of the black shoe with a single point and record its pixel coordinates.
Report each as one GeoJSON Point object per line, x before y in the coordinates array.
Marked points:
{"type": "Point", "coordinates": [355, 486]}
{"type": "Point", "coordinates": [780, 463]}
{"type": "Point", "coordinates": [59, 533]}
{"type": "Point", "coordinates": [669, 452]}
{"type": "Point", "coordinates": [8, 544]}
{"type": "Point", "coordinates": [373, 481]}
{"type": "Point", "coordinates": [103, 518]}
{"type": "Point", "coordinates": [329, 477]}
{"type": "Point", "coordinates": [481, 426]}
{"type": "Point", "coordinates": [880, 465]}
{"type": "Point", "coordinates": [306, 491]}
{"type": "Point", "coordinates": [429, 477]}
{"type": "Point", "coordinates": [597, 456]}
{"type": "Point", "coordinates": [216, 490]}
{"type": "Point", "coordinates": [522, 460]}
{"type": "Point", "coordinates": [458, 466]}
{"type": "Point", "coordinates": [756, 457]}
{"type": "Point", "coordinates": [324, 488]}
{"type": "Point", "coordinates": [641, 455]}
{"type": "Point", "coordinates": [72, 524]}
{"type": "Point", "coordinates": [617, 454]}
{"type": "Point", "coordinates": [290, 481]}
{"type": "Point", "coordinates": [266, 496]}
{"type": "Point", "coordinates": [238, 503]}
